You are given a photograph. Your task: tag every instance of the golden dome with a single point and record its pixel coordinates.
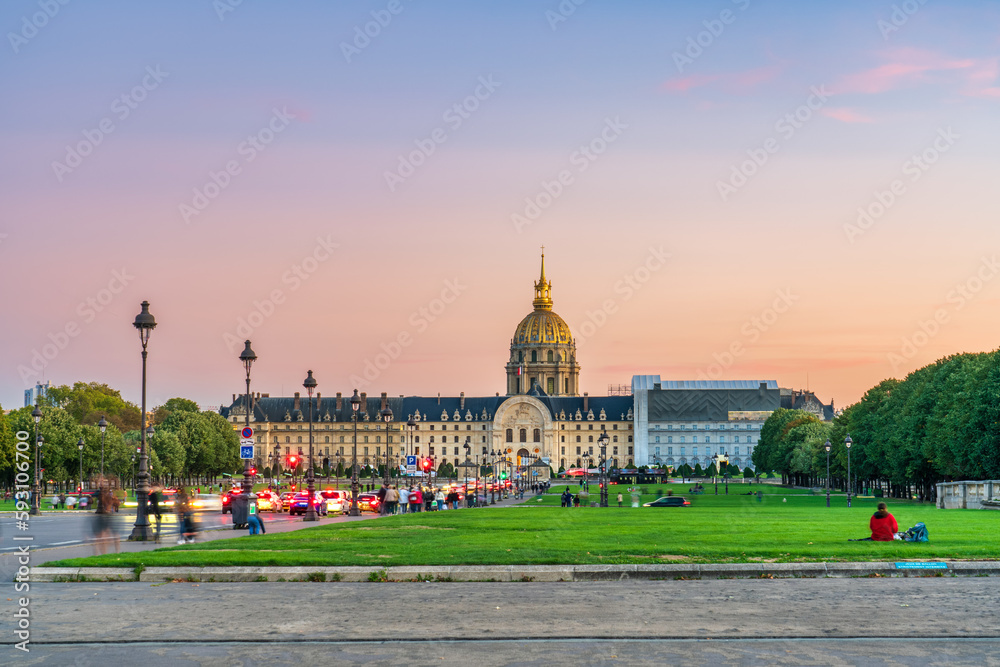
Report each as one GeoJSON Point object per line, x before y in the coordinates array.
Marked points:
{"type": "Point", "coordinates": [542, 326]}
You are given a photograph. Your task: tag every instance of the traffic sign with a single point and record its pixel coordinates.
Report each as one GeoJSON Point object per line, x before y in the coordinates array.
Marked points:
{"type": "Point", "coordinates": [247, 441]}
{"type": "Point", "coordinates": [247, 432]}
{"type": "Point", "coordinates": [411, 463]}
{"type": "Point", "coordinates": [246, 451]}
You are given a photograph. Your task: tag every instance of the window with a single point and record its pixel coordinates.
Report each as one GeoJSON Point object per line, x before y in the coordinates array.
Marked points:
{"type": "Point", "coordinates": [432, 427]}
{"type": "Point", "coordinates": [510, 435]}
{"type": "Point", "coordinates": [682, 438]}
{"type": "Point", "coordinates": [430, 451]}
{"type": "Point", "coordinates": [550, 386]}
{"type": "Point", "coordinates": [536, 435]}
{"type": "Point", "coordinates": [630, 451]}
{"type": "Point", "coordinates": [522, 435]}
{"type": "Point", "coordinates": [287, 439]}
{"type": "Point", "coordinates": [366, 440]}
{"type": "Point", "coordinates": [534, 355]}
{"type": "Point", "coordinates": [682, 451]}
{"type": "Point", "coordinates": [657, 439]}
{"type": "Point", "coordinates": [670, 451]}
{"type": "Point", "coordinates": [590, 438]}
{"type": "Point", "coordinates": [416, 439]}
{"type": "Point", "coordinates": [456, 438]}
{"type": "Point", "coordinates": [366, 453]}
{"type": "Point", "coordinates": [577, 427]}
{"type": "Point", "coordinates": [562, 438]}
{"type": "Point", "coordinates": [577, 451]}
{"type": "Point", "coordinates": [614, 438]}
{"type": "Point", "coordinates": [562, 450]}
{"type": "Point", "coordinates": [590, 427]}
{"type": "Point", "coordinates": [300, 439]}
{"type": "Point", "coordinates": [736, 451]}
{"type": "Point", "coordinates": [566, 390]}
{"type": "Point", "coordinates": [657, 451]}
{"type": "Point", "coordinates": [455, 427]}
{"type": "Point", "coordinates": [694, 451]}
{"type": "Point", "coordinates": [548, 356]}
{"type": "Point", "coordinates": [670, 438]}
{"type": "Point", "coordinates": [578, 438]}
{"type": "Point", "coordinates": [326, 438]}
{"type": "Point", "coordinates": [614, 450]}
{"type": "Point", "coordinates": [431, 440]}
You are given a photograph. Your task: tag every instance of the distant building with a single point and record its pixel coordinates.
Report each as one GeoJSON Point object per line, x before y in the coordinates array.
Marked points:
{"type": "Point", "coordinates": [792, 399]}
{"type": "Point", "coordinates": [678, 422]}
{"type": "Point", "coordinates": [31, 396]}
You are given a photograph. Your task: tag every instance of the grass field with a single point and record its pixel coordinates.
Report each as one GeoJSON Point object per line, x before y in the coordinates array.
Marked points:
{"type": "Point", "coordinates": [784, 526]}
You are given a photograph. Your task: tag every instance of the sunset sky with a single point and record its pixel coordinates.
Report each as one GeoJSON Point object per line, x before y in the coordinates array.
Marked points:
{"type": "Point", "coordinates": [736, 189]}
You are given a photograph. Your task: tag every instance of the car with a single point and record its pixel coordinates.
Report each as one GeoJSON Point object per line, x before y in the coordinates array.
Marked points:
{"type": "Point", "coordinates": [227, 500]}
{"type": "Point", "coordinates": [286, 499]}
{"type": "Point", "coordinates": [368, 502]}
{"type": "Point", "coordinates": [203, 502]}
{"type": "Point", "coordinates": [669, 501]}
{"type": "Point", "coordinates": [300, 503]}
{"type": "Point", "coordinates": [268, 501]}
{"type": "Point", "coordinates": [336, 501]}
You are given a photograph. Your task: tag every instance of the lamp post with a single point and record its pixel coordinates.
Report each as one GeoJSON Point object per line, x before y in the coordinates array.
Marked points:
{"type": "Point", "coordinates": [602, 442]}
{"type": "Point", "coordinates": [310, 385]}
{"type": "Point", "coordinates": [80, 447]}
{"type": "Point", "coordinates": [355, 405]}
{"type": "Point", "coordinates": [847, 443]}
{"type": "Point", "coordinates": [36, 414]}
{"type": "Point", "coordinates": [247, 356]}
{"type": "Point", "coordinates": [715, 461]}
{"type": "Point", "coordinates": [386, 417]}
{"type": "Point", "coordinates": [827, 446]}
{"type": "Point", "coordinates": [103, 425]}
{"type": "Point", "coordinates": [141, 531]}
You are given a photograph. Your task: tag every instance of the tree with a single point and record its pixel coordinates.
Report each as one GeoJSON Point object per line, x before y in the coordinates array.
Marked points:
{"type": "Point", "coordinates": [698, 472]}
{"type": "Point", "coordinates": [748, 473]}
{"type": "Point", "coordinates": [87, 402]}
{"type": "Point", "coordinates": [7, 450]}
{"type": "Point", "coordinates": [173, 405]}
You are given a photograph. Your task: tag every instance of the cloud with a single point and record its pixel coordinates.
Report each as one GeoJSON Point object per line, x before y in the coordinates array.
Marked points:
{"type": "Point", "coordinates": [908, 67]}
{"type": "Point", "coordinates": [733, 82]}
{"type": "Point", "coordinates": [845, 115]}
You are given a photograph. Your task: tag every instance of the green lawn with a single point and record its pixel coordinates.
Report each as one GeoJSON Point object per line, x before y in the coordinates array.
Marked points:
{"type": "Point", "coordinates": [784, 526]}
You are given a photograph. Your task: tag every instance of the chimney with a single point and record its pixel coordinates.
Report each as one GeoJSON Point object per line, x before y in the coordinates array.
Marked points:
{"type": "Point", "coordinates": [461, 401]}
{"type": "Point", "coordinates": [586, 402]}
{"type": "Point", "coordinates": [340, 402]}
{"type": "Point", "coordinates": [439, 398]}
{"type": "Point", "coordinates": [364, 402]}
{"type": "Point", "coordinates": [234, 398]}
{"type": "Point", "coordinates": [318, 401]}
{"type": "Point", "coordinates": [763, 386]}
{"type": "Point", "coordinates": [265, 395]}
{"type": "Point", "coordinates": [297, 405]}
{"type": "Point", "coordinates": [384, 400]}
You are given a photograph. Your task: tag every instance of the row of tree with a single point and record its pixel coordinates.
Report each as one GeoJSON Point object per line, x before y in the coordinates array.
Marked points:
{"type": "Point", "coordinates": [940, 423]}
{"type": "Point", "coordinates": [187, 444]}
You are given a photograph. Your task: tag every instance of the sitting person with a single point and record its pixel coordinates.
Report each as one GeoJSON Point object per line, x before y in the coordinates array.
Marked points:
{"type": "Point", "coordinates": [883, 525]}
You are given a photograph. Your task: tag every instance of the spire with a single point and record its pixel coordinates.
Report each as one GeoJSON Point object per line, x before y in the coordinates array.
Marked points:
{"type": "Point", "coordinates": [543, 289]}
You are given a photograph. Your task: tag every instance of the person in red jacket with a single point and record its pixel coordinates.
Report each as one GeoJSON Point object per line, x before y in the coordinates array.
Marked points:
{"type": "Point", "coordinates": [883, 525]}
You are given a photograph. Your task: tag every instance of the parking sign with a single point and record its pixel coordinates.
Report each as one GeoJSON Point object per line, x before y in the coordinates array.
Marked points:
{"type": "Point", "coordinates": [246, 451]}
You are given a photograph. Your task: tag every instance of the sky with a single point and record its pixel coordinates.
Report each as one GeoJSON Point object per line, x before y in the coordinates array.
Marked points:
{"type": "Point", "coordinates": [733, 189]}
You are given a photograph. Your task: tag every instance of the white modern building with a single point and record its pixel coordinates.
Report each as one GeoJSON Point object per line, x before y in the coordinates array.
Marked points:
{"type": "Point", "coordinates": [678, 422]}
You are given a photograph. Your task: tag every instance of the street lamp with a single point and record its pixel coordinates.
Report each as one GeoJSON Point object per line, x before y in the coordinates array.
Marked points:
{"type": "Point", "coordinates": [602, 442]}
{"type": "Point", "coordinates": [386, 417]}
{"type": "Point", "coordinates": [36, 414]}
{"type": "Point", "coordinates": [715, 460]}
{"type": "Point", "coordinates": [310, 384]}
{"type": "Point", "coordinates": [355, 404]}
{"type": "Point", "coordinates": [80, 446]}
{"type": "Point", "coordinates": [847, 443]}
{"type": "Point", "coordinates": [103, 425]}
{"type": "Point", "coordinates": [827, 446]}
{"type": "Point", "coordinates": [141, 531]}
{"type": "Point", "coordinates": [247, 356]}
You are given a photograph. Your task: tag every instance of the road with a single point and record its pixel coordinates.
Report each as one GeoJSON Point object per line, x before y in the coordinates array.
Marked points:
{"type": "Point", "coordinates": [913, 621]}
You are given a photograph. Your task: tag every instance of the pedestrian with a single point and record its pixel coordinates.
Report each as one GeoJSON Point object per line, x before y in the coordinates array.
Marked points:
{"type": "Point", "coordinates": [256, 524]}
{"type": "Point", "coordinates": [391, 500]}
{"type": "Point", "coordinates": [404, 499]}
{"type": "Point", "coordinates": [619, 500]}
{"type": "Point", "coordinates": [439, 498]}
{"type": "Point", "coordinates": [155, 496]}
{"type": "Point", "coordinates": [452, 498]}
{"type": "Point", "coordinates": [576, 500]}
{"type": "Point", "coordinates": [883, 525]}
{"type": "Point", "coordinates": [381, 498]}
{"type": "Point", "coordinates": [416, 499]}
{"type": "Point", "coordinates": [428, 496]}
{"type": "Point", "coordinates": [102, 521]}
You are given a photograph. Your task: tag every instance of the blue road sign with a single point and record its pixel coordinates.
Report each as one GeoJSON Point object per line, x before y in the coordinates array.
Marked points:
{"type": "Point", "coordinates": [246, 451]}
{"type": "Point", "coordinates": [411, 461]}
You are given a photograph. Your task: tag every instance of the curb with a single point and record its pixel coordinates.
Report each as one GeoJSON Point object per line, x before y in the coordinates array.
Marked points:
{"type": "Point", "coordinates": [516, 573]}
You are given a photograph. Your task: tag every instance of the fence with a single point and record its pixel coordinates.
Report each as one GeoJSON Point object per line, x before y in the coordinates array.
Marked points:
{"type": "Point", "coordinates": [969, 495]}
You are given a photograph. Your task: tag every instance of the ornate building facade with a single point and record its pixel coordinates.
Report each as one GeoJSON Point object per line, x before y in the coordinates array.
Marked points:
{"type": "Point", "coordinates": [542, 414]}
